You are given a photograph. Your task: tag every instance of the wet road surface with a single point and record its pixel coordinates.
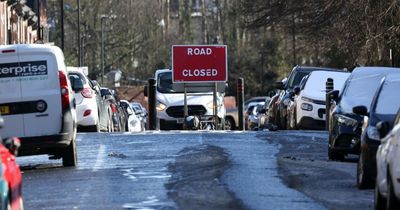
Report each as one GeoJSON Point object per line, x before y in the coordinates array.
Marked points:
{"type": "Point", "coordinates": [166, 170]}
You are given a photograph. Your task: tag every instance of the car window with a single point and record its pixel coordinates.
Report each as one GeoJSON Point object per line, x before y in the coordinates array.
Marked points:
{"type": "Point", "coordinates": [296, 79]}
{"type": "Point", "coordinates": [80, 76]}
{"type": "Point", "coordinates": [387, 103]}
{"type": "Point", "coordinates": [359, 91]}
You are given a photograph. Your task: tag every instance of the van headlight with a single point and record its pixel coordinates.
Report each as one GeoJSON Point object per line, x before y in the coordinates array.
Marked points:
{"type": "Point", "coordinates": [210, 105]}
{"type": "Point", "coordinates": [373, 133]}
{"type": "Point", "coordinates": [160, 106]}
{"type": "Point", "coordinates": [348, 121]}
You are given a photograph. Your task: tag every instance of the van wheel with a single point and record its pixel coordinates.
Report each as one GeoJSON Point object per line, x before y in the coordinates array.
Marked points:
{"type": "Point", "coordinates": [70, 155]}
{"type": "Point", "coordinates": [392, 201]}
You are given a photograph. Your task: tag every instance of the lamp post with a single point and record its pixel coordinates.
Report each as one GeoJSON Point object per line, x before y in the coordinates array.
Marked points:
{"type": "Point", "coordinates": [102, 18]}
{"type": "Point", "coordinates": [62, 24]}
{"type": "Point", "coordinates": [79, 34]}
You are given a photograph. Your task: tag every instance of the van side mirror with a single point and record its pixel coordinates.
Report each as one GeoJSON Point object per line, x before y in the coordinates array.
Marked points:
{"type": "Point", "coordinates": [334, 95]}
{"type": "Point", "coordinates": [279, 85]}
{"type": "Point", "coordinates": [360, 110]}
{"type": "Point", "coordinates": [145, 91]}
{"type": "Point", "coordinates": [383, 128]}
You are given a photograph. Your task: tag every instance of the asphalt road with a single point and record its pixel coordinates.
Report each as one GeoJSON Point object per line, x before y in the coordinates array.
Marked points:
{"type": "Point", "coordinates": [193, 170]}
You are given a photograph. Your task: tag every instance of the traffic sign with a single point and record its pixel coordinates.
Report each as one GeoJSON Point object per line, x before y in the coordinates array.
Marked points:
{"type": "Point", "coordinates": [199, 63]}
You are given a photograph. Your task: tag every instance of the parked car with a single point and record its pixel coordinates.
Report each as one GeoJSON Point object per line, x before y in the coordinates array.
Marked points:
{"type": "Point", "coordinates": [105, 112]}
{"type": "Point", "coordinates": [344, 125]}
{"type": "Point", "coordinates": [308, 108]}
{"type": "Point", "coordinates": [253, 115]}
{"type": "Point", "coordinates": [254, 100]}
{"type": "Point", "coordinates": [118, 117]}
{"type": "Point", "coordinates": [87, 110]}
{"type": "Point", "coordinates": [263, 114]}
{"type": "Point", "coordinates": [141, 113]}
{"type": "Point", "coordinates": [387, 187]}
{"type": "Point", "coordinates": [231, 119]}
{"type": "Point", "coordinates": [384, 107]}
{"type": "Point", "coordinates": [133, 124]}
{"type": "Point", "coordinates": [40, 108]}
{"type": "Point", "coordinates": [11, 178]}
{"type": "Point", "coordinates": [284, 96]}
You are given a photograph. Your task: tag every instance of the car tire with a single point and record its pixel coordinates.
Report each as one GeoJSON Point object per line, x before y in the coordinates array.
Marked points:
{"type": "Point", "coordinates": [364, 180]}
{"type": "Point", "coordinates": [94, 128]}
{"type": "Point", "coordinates": [392, 202]}
{"type": "Point", "coordinates": [335, 155]}
{"type": "Point", "coordinates": [70, 155]}
{"type": "Point", "coordinates": [283, 122]}
{"type": "Point", "coordinates": [229, 124]}
{"type": "Point", "coordinates": [379, 200]}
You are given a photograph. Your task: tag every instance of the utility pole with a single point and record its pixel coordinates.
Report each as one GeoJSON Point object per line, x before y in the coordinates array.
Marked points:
{"type": "Point", "coordinates": [294, 39]}
{"type": "Point", "coordinates": [62, 24]}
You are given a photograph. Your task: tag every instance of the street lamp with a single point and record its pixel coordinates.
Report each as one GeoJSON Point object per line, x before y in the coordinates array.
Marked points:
{"type": "Point", "coordinates": [102, 18]}
{"type": "Point", "coordinates": [79, 33]}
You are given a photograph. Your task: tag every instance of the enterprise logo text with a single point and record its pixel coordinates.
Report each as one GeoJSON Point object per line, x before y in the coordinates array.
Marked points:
{"type": "Point", "coordinates": [23, 69]}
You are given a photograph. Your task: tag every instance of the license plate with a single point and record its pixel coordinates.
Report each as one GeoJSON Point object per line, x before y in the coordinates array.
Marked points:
{"type": "Point", "coordinates": [180, 121]}
{"type": "Point", "coordinates": [4, 110]}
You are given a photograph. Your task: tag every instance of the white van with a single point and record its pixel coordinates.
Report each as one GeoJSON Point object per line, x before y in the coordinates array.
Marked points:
{"type": "Point", "coordinates": [36, 101]}
{"type": "Point", "coordinates": [170, 103]}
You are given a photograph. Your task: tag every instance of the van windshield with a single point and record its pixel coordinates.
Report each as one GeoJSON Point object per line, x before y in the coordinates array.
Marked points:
{"type": "Point", "coordinates": [164, 83]}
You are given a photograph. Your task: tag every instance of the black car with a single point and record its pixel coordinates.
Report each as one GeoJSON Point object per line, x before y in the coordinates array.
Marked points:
{"type": "Point", "coordinates": [280, 107]}
{"type": "Point", "coordinates": [384, 107]}
{"type": "Point", "coordinates": [344, 125]}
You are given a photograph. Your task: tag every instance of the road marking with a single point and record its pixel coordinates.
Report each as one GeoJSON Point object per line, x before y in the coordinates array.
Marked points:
{"type": "Point", "coordinates": [100, 158]}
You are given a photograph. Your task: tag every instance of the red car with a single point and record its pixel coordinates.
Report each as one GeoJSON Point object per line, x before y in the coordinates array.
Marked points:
{"type": "Point", "coordinates": [11, 179]}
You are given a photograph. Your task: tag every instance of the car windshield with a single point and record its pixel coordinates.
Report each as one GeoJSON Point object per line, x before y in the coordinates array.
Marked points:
{"type": "Point", "coordinates": [296, 79]}
{"type": "Point", "coordinates": [359, 91]}
{"type": "Point", "coordinates": [388, 102]}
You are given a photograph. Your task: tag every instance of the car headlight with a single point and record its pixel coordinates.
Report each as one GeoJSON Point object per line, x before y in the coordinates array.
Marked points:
{"type": "Point", "coordinates": [348, 121]}
{"type": "Point", "coordinates": [210, 105]}
{"type": "Point", "coordinates": [160, 106]}
{"type": "Point", "coordinates": [306, 107]}
{"type": "Point", "coordinates": [307, 99]}
{"type": "Point", "coordinates": [373, 133]}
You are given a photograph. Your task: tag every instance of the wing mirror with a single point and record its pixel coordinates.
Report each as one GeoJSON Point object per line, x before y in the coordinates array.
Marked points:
{"type": "Point", "coordinates": [334, 95]}
{"type": "Point", "coordinates": [279, 85]}
{"type": "Point", "coordinates": [383, 128]}
{"type": "Point", "coordinates": [77, 84]}
{"type": "Point", "coordinates": [360, 110]}
{"type": "Point", "coordinates": [263, 111]}
{"type": "Point", "coordinates": [12, 144]}
{"type": "Point", "coordinates": [296, 90]}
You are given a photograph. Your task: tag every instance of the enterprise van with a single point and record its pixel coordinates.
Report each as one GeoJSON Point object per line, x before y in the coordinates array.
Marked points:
{"type": "Point", "coordinates": [36, 101]}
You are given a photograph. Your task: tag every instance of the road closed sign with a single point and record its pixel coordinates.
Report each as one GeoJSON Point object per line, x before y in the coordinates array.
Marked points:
{"type": "Point", "coordinates": [199, 64]}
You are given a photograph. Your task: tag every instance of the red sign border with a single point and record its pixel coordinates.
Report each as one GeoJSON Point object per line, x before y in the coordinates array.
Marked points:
{"type": "Point", "coordinates": [211, 81]}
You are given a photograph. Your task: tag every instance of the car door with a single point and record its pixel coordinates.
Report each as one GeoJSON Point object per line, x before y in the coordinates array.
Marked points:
{"type": "Point", "coordinates": [10, 94]}
{"type": "Point", "coordinates": [42, 91]}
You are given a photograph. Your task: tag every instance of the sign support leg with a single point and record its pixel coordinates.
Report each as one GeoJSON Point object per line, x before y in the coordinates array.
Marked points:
{"type": "Point", "coordinates": [215, 111]}
{"type": "Point", "coordinates": [185, 107]}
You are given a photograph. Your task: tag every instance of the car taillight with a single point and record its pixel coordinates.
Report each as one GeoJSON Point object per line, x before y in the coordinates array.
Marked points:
{"type": "Point", "coordinates": [113, 108]}
{"type": "Point", "coordinates": [87, 93]}
{"type": "Point", "coordinates": [64, 90]}
{"type": "Point", "coordinates": [87, 112]}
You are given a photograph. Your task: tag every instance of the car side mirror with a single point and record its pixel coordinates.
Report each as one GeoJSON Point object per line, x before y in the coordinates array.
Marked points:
{"type": "Point", "coordinates": [145, 91]}
{"type": "Point", "coordinates": [130, 112]}
{"type": "Point", "coordinates": [383, 128]}
{"type": "Point", "coordinates": [296, 90]}
{"type": "Point", "coordinates": [279, 85]}
{"type": "Point", "coordinates": [334, 95]}
{"type": "Point", "coordinates": [77, 84]}
{"type": "Point", "coordinates": [12, 144]}
{"type": "Point", "coordinates": [360, 110]}
{"type": "Point", "coordinates": [263, 111]}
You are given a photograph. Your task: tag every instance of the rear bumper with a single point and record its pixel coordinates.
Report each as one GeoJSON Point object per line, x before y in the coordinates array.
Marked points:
{"type": "Point", "coordinates": [51, 144]}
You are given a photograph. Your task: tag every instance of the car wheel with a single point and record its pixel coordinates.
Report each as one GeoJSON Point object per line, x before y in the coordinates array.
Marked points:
{"type": "Point", "coordinates": [379, 200]}
{"type": "Point", "coordinates": [392, 202]}
{"type": "Point", "coordinates": [283, 122]}
{"type": "Point", "coordinates": [335, 155]}
{"type": "Point", "coordinates": [94, 128]}
{"type": "Point", "coordinates": [229, 124]}
{"type": "Point", "coordinates": [70, 155]}
{"type": "Point", "coordinates": [364, 180]}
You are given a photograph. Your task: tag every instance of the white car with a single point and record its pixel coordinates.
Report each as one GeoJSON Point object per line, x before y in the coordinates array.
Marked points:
{"type": "Point", "coordinates": [133, 124]}
{"type": "Point", "coordinates": [309, 103]}
{"type": "Point", "coordinates": [36, 101]}
{"type": "Point", "coordinates": [387, 188]}
{"type": "Point", "coordinates": [86, 105]}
